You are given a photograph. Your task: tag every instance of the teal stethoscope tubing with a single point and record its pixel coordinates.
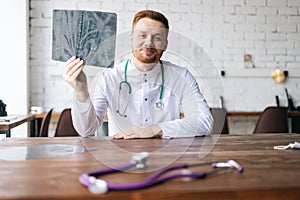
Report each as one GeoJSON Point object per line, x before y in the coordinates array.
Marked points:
{"type": "Point", "coordinates": [158, 105]}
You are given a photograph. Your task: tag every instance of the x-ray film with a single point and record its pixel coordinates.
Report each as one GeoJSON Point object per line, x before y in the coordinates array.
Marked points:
{"type": "Point", "coordinates": [90, 35]}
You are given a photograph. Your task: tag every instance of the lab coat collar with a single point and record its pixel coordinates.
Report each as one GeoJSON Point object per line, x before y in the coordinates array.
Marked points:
{"type": "Point", "coordinates": [156, 69]}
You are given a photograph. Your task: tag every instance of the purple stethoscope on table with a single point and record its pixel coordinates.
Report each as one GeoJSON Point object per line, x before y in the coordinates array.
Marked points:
{"type": "Point", "coordinates": [99, 186]}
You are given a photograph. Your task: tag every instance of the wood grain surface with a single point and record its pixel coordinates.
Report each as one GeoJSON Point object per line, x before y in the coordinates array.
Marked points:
{"type": "Point", "coordinates": [268, 174]}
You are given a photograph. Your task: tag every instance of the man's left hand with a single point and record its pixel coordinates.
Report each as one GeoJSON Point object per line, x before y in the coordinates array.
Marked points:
{"type": "Point", "coordinates": [139, 132]}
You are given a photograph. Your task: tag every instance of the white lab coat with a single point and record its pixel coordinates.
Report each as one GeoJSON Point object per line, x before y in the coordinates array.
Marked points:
{"type": "Point", "coordinates": [180, 93]}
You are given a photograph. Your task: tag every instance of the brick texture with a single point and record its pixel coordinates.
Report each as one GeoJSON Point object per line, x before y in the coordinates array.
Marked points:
{"type": "Point", "coordinates": [225, 30]}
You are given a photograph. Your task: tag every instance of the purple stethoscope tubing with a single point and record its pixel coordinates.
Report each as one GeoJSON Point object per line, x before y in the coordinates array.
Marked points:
{"type": "Point", "coordinates": [99, 186]}
{"type": "Point", "coordinates": [154, 179]}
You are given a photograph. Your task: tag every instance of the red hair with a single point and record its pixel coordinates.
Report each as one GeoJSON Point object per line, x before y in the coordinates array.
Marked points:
{"type": "Point", "coordinates": [152, 15]}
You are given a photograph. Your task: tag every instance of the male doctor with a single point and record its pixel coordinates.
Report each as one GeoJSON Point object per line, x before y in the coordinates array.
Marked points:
{"type": "Point", "coordinates": [143, 96]}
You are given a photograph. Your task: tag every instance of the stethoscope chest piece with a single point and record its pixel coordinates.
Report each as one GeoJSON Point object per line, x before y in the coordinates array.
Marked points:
{"type": "Point", "coordinates": [98, 186]}
{"type": "Point", "coordinates": [159, 105]}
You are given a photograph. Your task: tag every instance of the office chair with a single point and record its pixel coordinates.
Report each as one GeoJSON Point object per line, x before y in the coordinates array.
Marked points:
{"type": "Point", "coordinates": [45, 124]}
{"type": "Point", "coordinates": [272, 120]}
{"type": "Point", "coordinates": [65, 126]}
{"type": "Point", "coordinates": [220, 125]}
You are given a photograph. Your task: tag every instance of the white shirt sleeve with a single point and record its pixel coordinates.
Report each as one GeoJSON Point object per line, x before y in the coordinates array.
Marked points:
{"type": "Point", "coordinates": [84, 117]}
{"type": "Point", "coordinates": [197, 120]}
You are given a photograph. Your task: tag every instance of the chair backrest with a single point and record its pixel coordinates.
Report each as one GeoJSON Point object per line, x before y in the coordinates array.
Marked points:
{"type": "Point", "coordinates": [272, 120]}
{"type": "Point", "coordinates": [220, 125]}
{"type": "Point", "coordinates": [65, 126]}
{"type": "Point", "coordinates": [45, 124]}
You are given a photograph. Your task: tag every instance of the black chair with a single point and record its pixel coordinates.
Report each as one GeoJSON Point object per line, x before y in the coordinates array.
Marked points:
{"type": "Point", "coordinates": [65, 126]}
{"type": "Point", "coordinates": [272, 120]}
{"type": "Point", "coordinates": [220, 125]}
{"type": "Point", "coordinates": [45, 124]}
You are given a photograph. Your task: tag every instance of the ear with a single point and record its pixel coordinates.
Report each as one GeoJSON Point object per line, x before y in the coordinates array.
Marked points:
{"type": "Point", "coordinates": [166, 44]}
{"type": "Point", "coordinates": [131, 38]}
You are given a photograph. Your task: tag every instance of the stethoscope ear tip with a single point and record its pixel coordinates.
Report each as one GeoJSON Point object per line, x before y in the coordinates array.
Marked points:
{"type": "Point", "coordinates": [234, 164]}
{"type": "Point", "coordinates": [229, 164]}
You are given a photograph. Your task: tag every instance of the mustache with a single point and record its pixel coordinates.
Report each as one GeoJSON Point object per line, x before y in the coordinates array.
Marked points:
{"type": "Point", "coordinates": [152, 49]}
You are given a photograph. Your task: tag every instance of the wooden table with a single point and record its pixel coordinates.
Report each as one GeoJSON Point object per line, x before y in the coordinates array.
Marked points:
{"type": "Point", "coordinates": [20, 119]}
{"type": "Point", "coordinates": [269, 173]}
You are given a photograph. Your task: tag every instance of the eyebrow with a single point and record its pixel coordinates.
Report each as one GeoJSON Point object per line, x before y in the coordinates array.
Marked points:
{"type": "Point", "coordinates": [155, 34]}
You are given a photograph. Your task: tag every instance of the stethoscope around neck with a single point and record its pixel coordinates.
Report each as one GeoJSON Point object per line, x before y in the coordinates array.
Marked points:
{"type": "Point", "coordinates": [158, 104]}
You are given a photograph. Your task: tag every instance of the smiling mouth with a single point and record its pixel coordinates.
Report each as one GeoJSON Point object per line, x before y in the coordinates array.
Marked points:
{"type": "Point", "coordinates": [148, 52]}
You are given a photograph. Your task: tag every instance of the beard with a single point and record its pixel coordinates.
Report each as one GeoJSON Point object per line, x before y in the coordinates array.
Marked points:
{"type": "Point", "coordinates": [147, 55]}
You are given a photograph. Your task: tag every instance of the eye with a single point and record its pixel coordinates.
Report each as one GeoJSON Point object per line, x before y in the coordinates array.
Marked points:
{"type": "Point", "coordinates": [157, 38]}
{"type": "Point", "coordinates": [142, 35]}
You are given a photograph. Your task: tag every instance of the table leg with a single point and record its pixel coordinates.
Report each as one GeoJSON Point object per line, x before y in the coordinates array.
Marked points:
{"type": "Point", "coordinates": [295, 124]}
{"type": "Point", "coordinates": [35, 126]}
{"type": "Point", "coordinates": [6, 132]}
{"type": "Point", "coordinates": [32, 128]}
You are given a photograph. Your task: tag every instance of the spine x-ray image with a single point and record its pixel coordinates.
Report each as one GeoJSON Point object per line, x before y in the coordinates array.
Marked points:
{"type": "Point", "coordinates": [90, 35]}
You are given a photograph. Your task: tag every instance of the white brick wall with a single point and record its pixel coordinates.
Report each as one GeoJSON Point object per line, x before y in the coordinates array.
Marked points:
{"type": "Point", "coordinates": [226, 29]}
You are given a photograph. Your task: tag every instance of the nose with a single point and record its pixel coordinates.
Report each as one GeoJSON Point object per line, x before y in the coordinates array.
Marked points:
{"type": "Point", "coordinates": [149, 41]}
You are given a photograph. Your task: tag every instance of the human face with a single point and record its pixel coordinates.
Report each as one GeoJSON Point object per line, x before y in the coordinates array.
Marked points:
{"type": "Point", "coordinates": [148, 40]}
